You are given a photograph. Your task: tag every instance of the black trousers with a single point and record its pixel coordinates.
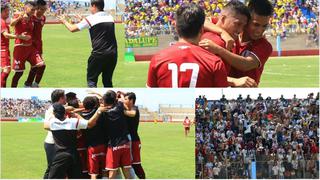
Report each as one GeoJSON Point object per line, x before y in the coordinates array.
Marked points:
{"type": "Point", "coordinates": [50, 153]}
{"type": "Point", "coordinates": [104, 65]}
{"type": "Point", "coordinates": [65, 164]}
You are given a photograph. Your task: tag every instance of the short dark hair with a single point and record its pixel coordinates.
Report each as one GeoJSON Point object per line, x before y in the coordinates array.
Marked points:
{"type": "Point", "coordinates": [4, 6]}
{"type": "Point", "coordinates": [238, 8]}
{"type": "Point", "coordinates": [90, 102]}
{"type": "Point", "coordinates": [41, 3]}
{"type": "Point", "coordinates": [131, 96]}
{"type": "Point", "coordinates": [56, 95]}
{"type": "Point", "coordinates": [30, 3]}
{"type": "Point", "coordinates": [70, 96]}
{"type": "Point", "coordinates": [261, 7]}
{"type": "Point", "coordinates": [110, 97]}
{"type": "Point", "coordinates": [59, 111]}
{"type": "Point", "coordinates": [98, 3]}
{"type": "Point", "coordinates": [73, 102]}
{"type": "Point", "coordinates": [189, 20]}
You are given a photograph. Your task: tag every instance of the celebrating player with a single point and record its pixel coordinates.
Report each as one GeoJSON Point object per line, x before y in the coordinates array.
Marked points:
{"type": "Point", "coordinates": [23, 49]}
{"type": "Point", "coordinates": [133, 124]}
{"type": "Point", "coordinates": [103, 58]}
{"type": "Point", "coordinates": [185, 64]}
{"type": "Point", "coordinates": [254, 49]}
{"type": "Point", "coordinates": [5, 36]}
{"type": "Point", "coordinates": [39, 19]}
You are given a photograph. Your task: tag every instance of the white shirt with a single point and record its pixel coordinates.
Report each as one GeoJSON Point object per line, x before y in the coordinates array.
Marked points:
{"type": "Point", "coordinates": [47, 117]}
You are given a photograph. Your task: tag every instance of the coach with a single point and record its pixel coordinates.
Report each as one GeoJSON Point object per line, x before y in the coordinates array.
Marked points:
{"type": "Point", "coordinates": [103, 58]}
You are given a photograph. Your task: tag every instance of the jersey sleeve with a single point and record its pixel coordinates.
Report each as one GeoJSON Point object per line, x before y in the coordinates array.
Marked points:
{"type": "Point", "coordinates": [220, 75]}
{"type": "Point", "coordinates": [84, 24]}
{"type": "Point", "coordinates": [152, 74]}
{"type": "Point", "coordinates": [3, 26]}
{"type": "Point", "coordinates": [81, 124]}
{"type": "Point", "coordinates": [262, 51]}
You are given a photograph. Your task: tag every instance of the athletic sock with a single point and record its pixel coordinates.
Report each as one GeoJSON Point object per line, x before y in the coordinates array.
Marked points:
{"type": "Point", "coordinates": [15, 79]}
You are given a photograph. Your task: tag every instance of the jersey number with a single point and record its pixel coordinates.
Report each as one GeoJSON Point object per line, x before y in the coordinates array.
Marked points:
{"type": "Point", "coordinates": [183, 68]}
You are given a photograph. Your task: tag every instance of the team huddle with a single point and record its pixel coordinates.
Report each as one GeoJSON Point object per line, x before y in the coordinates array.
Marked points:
{"type": "Point", "coordinates": [28, 26]}
{"type": "Point", "coordinates": [96, 137]}
{"type": "Point", "coordinates": [219, 52]}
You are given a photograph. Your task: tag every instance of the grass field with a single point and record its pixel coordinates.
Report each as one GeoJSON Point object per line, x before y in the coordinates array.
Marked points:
{"type": "Point", "coordinates": [66, 57]}
{"type": "Point", "coordinates": [166, 153]}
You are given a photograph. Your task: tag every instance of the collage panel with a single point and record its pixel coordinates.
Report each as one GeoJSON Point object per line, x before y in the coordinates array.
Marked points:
{"type": "Point", "coordinates": [152, 137]}
{"type": "Point", "coordinates": [257, 134]}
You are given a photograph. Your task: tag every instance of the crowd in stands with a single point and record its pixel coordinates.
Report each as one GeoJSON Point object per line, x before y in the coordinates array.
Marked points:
{"type": "Point", "coordinates": [155, 17]}
{"type": "Point", "coordinates": [14, 108]}
{"type": "Point", "coordinates": [280, 135]}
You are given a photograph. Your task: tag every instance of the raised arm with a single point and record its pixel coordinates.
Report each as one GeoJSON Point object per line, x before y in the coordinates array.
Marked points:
{"type": "Point", "coordinates": [239, 62]}
{"type": "Point", "coordinates": [16, 19]}
{"type": "Point", "coordinates": [71, 27]}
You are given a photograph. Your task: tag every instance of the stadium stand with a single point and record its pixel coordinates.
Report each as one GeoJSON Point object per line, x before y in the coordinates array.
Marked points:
{"type": "Point", "coordinates": [281, 136]}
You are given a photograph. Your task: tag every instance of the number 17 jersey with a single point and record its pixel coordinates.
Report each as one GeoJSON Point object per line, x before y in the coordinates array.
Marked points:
{"type": "Point", "coordinates": [186, 65]}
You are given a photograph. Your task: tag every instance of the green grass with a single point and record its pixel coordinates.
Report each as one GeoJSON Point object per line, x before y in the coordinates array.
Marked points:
{"type": "Point", "coordinates": [66, 57]}
{"type": "Point", "coordinates": [166, 153]}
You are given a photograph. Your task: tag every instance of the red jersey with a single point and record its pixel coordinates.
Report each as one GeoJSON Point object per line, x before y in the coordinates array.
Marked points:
{"type": "Point", "coordinates": [186, 65]}
{"type": "Point", "coordinates": [4, 41]}
{"type": "Point", "coordinates": [23, 26]}
{"type": "Point", "coordinates": [187, 123]}
{"type": "Point", "coordinates": [260, 48]}
{"type": "Point", "coordinates": [216, 38]}
{"type": "Point", "coordinates": [37, 30]}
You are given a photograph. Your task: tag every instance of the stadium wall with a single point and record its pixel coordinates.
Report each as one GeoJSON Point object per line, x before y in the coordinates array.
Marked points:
{"type": "Point", "coordinates": [9, 119]}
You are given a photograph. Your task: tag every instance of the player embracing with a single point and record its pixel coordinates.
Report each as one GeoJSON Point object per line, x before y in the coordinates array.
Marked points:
{"type": "Point", "coordinates": [23, 49]}
{"type": "Point", "coordinates": [133, 124]}
{"type": "Point", "coordinates": [5, 36]}
{"type": "Point", "coordinates": [39, 19]}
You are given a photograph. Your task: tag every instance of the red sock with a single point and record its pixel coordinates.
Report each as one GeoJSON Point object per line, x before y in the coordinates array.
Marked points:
{"type": "Point", "coordinates": [40, 72]}
{"type": "Point", "coordinates": [31, 76]}
{"type": "Point", "coordinates": [15, 79]}
{"type": "Point", "coordinates": [4, 77]}
{"type": "Point", "coordinates": [139, 171]}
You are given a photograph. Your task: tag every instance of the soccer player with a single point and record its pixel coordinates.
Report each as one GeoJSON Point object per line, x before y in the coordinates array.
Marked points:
{"type": "Point", "coordinates": [23, 50]}
{"type": "Point", "coordinates": [186, 124]}
{"type": "Point", "coordinates": [39, 19]}
{"type": "Point", "coordinates": [118, 150]}
{"type": "Point", "coordinates": [185, 64]}
{"type": "Point", "coordinates": [103, 58]}
{"type": "Point", "coordinates": [64, 130]}
{"type": "Point", "coordinates": [133, 124]}
{"type": "Point", "coordinates": [94, 138]}
{"type": "Point", "coordinates": [254, 49]}
{"type": "Point", "coordinates": [232, 20]}
{"type": "Point", "coordinates": [5, 36]}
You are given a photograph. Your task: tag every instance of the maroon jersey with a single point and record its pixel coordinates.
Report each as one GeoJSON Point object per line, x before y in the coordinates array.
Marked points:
{"type": "Point", "coordinates": [38, 26]}
{"type": "Point", "coordinates": [186, 65]}
{"type": "Point", "coordinates": [260, 48]}
{"type": "Point", "coordinates": [4, 41]}
{"type": "Point", "coordinates": [24, 25]}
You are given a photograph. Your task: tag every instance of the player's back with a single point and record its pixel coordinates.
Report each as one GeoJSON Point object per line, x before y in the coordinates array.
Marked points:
{"type": "Point", "coordinates": [4, 40]}
{"type": "Point", "coordinates": [186, 65]}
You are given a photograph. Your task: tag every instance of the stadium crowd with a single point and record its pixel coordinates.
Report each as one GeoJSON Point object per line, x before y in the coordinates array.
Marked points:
{"type": "Point", "coordinates": [13, 108]}
{"type": "Point", "coordinates": [280, 135]}
{"type": "Point", "coordinates": [155, 17]}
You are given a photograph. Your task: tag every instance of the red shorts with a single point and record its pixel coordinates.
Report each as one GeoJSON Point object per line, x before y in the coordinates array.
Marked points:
{"type": "Point", "coordinates": [187, 128]}
{"type": "Point", "coordinates": [5, 58]}
{"type": "Point", "coordinates": [118, 156]}
{"type": "Point", "coordinates": [38, 46]}
{"type": "Point", "coordinates": [21, 54]}
{"type": "Point", "coordinates": [135, 152]}
{"type": "Point", "coordinates": [96, 159]}
{"type": "Point", "coordinates": [83, 159]}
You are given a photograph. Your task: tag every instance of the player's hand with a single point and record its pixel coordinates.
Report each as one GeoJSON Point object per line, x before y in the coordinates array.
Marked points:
{"type": "Point", "coordinates": [24, 36]}
{"type": "Point", "coordinates": [209, 45]}
{"type": "Point", "coordinates": [228, 39]}
{"type": "Point", "coordinates": [245, 82]}
{"type": "Point", "coordinates": [62, 18]}
{"type": "Point", "coordinates": [102, 109]}
{"type": "Point", "coordinates": [69, 108]}
{"type": "Point", "coordinates": [78, 17]}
